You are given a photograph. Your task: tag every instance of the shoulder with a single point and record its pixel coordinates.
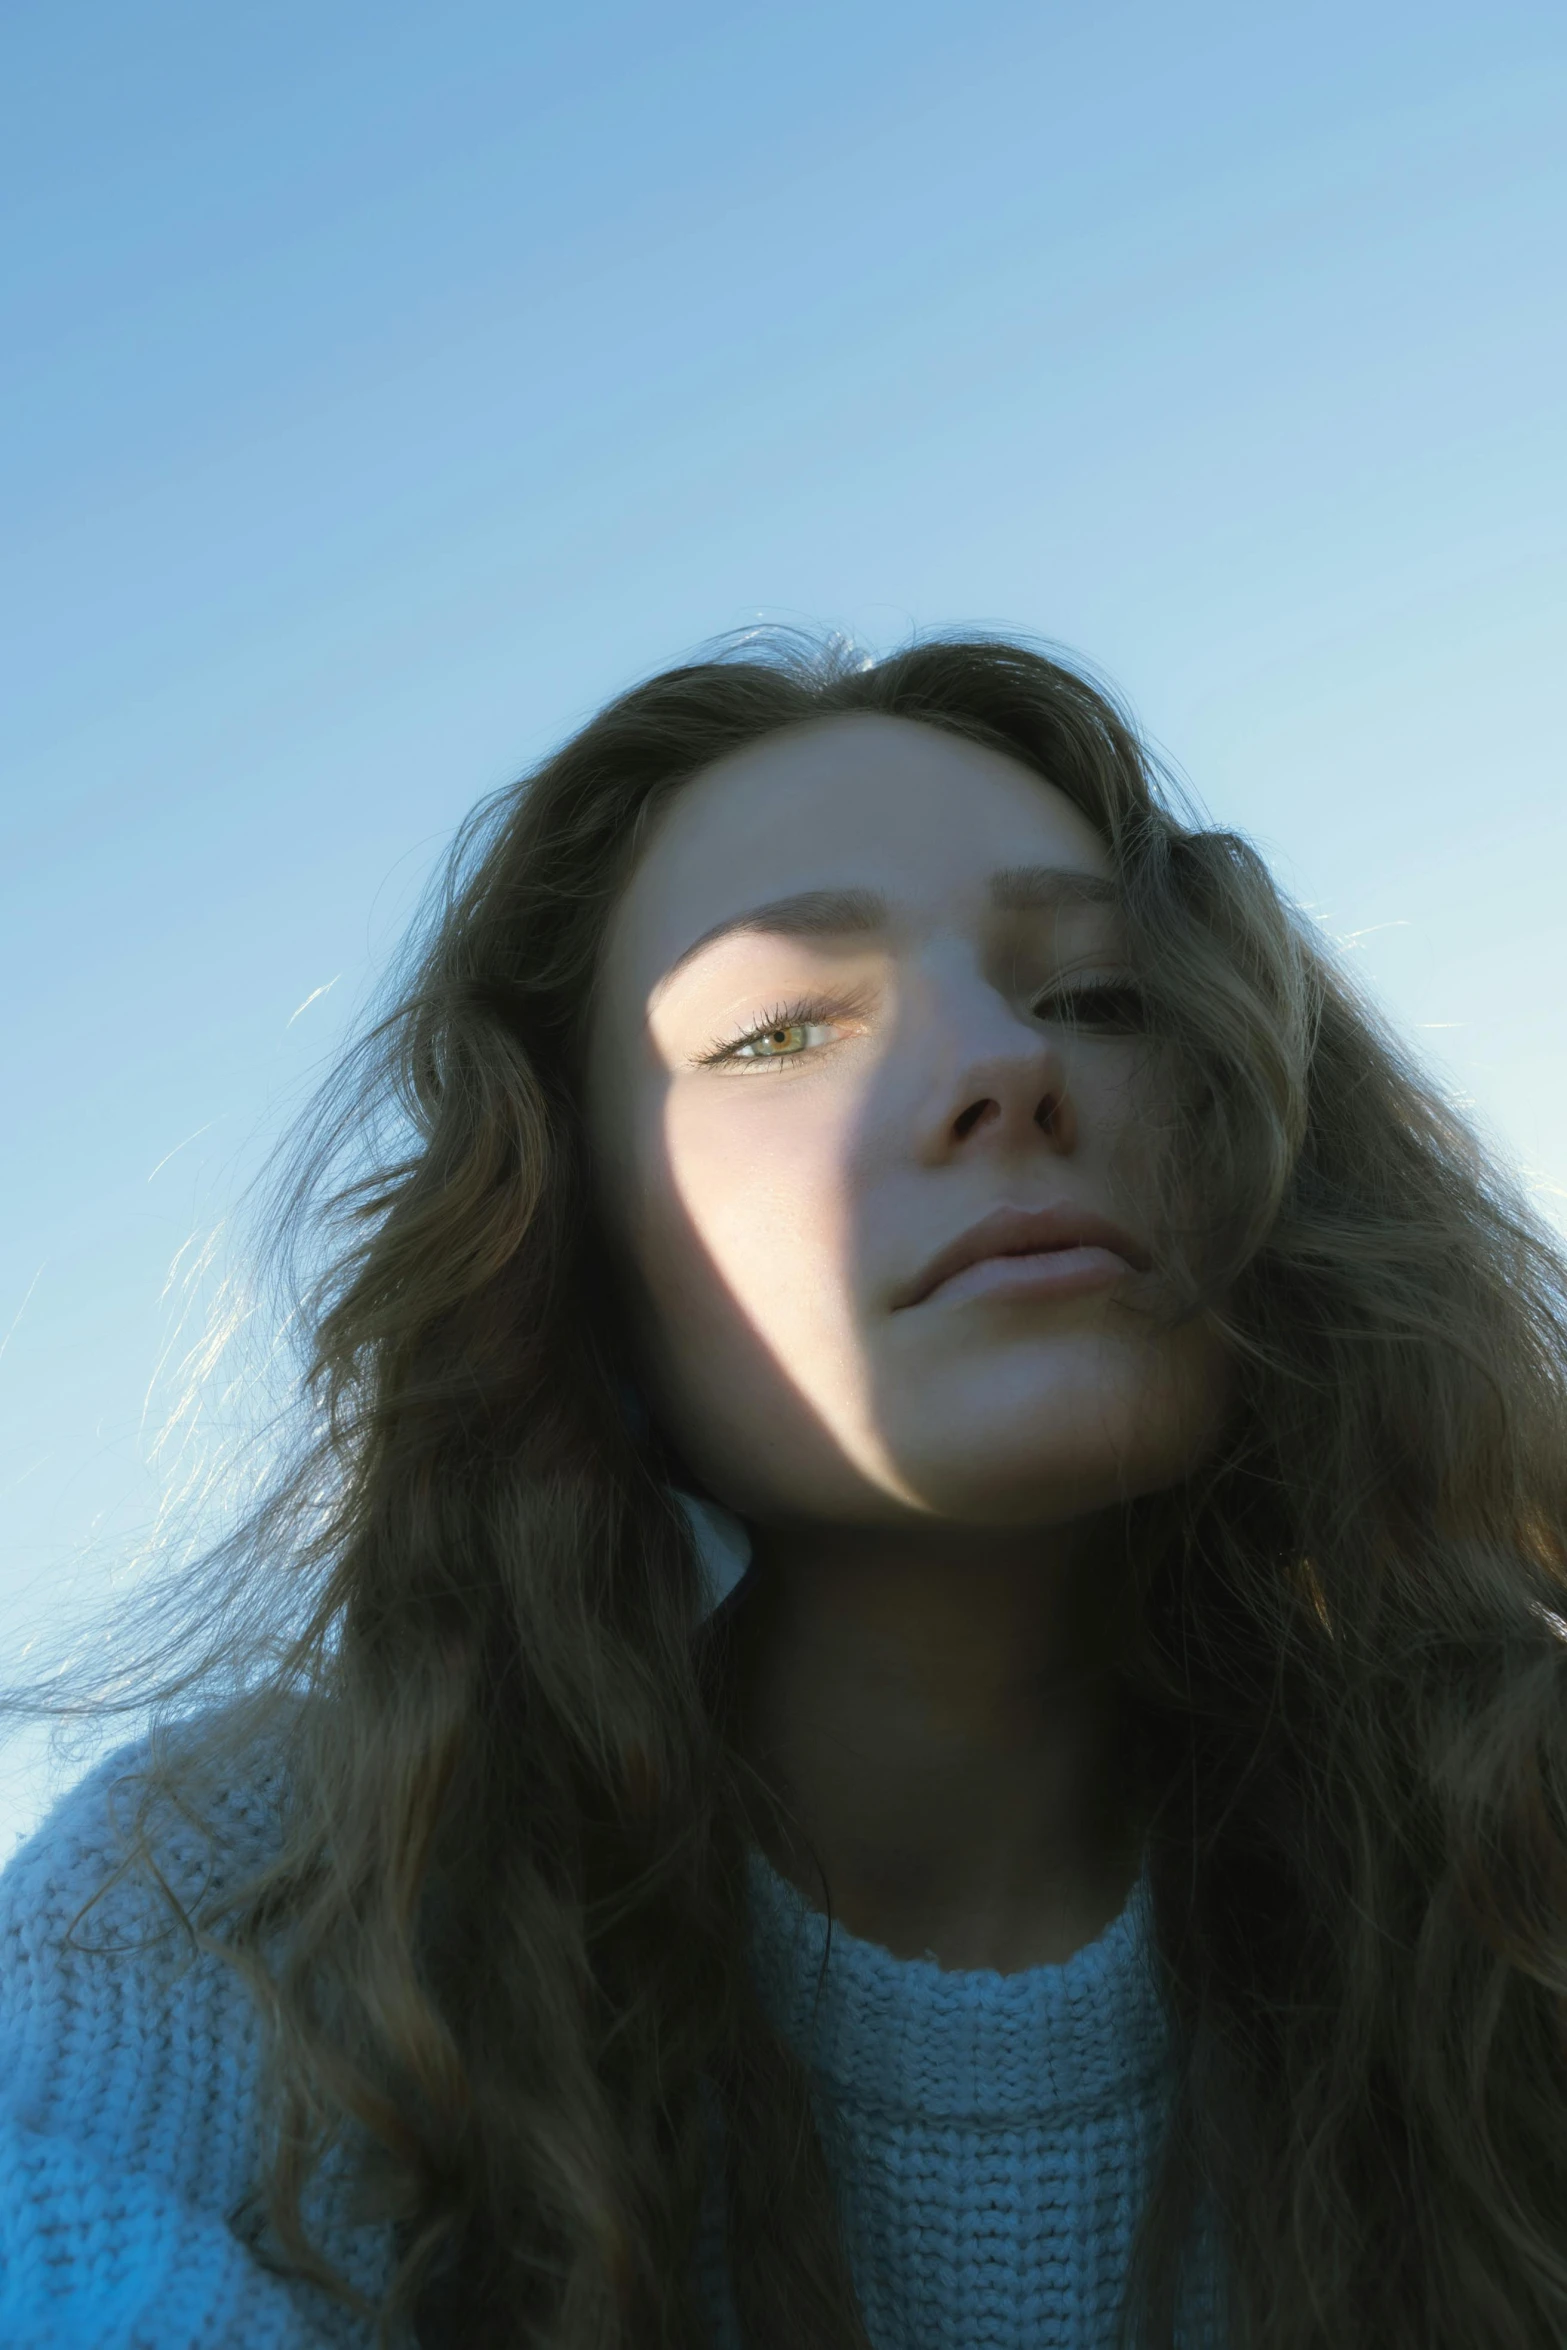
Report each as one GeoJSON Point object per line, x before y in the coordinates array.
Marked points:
{"type": "Point", "coordinates": [158, 1833]}
{"type": "Point", "coordinates": [117, 2022]}
{"type": "Point", "coordinates": [131, 2064]}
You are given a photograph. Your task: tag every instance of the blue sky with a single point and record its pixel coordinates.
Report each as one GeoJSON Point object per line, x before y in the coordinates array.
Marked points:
{"type": "Point", "coordinates": [385, 386]}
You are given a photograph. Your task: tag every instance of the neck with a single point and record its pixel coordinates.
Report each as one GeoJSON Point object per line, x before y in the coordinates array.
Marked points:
{"type": "Point", "coordinates": [941, 1717]}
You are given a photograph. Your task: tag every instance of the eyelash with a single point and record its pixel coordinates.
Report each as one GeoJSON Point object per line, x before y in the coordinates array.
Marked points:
{"type": "Point", "coordinates": [1131, 1014]}
{"type": "Point", "coordinates": [805, 1011]}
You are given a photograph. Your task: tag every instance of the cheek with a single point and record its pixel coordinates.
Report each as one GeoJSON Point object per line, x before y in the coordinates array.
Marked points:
{"type": "Point", "coordinates": [1197, 1393]}
{"type": "Point", "coordinates": [1129, 1107]}
{"type": "Point", "coordinates": [745, 1245]}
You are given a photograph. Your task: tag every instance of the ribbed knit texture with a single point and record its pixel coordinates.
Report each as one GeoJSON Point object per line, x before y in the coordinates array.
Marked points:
{"type": "Point", "coordinates": [990, 2135]}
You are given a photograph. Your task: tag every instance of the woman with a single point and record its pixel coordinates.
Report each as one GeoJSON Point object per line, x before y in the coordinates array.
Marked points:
{"type": "Point", "coordinates": [1098, 1873]}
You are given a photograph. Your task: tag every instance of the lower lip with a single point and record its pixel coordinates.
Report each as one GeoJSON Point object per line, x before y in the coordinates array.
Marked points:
{"type": "Point", "coordinates": [1056, 1272]}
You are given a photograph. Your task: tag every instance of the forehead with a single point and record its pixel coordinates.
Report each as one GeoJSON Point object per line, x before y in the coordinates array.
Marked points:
{"type": "Point", "coordinates": [861, 801]}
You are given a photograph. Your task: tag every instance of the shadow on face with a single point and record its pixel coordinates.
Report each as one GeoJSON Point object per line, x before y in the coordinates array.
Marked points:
{"type": "Point", "coordinates": [875, 1120]}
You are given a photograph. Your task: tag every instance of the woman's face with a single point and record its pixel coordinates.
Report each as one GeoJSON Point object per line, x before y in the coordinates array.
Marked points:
{"type": "Point", "coordinates": [882, 1203]}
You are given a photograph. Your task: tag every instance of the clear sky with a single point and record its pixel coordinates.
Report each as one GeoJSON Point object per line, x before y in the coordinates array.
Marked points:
{"type": "Point", "coordinates": [384, 386]}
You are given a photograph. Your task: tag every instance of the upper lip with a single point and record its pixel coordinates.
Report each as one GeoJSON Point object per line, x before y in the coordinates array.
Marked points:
{"type": "Point", "coordinates": [1023, 1232]}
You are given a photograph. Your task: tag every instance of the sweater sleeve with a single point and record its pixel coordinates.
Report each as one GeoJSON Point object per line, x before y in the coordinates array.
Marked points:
{"type": "Point", "coordinates": [93, 2258]}
{"type": "Point", "coordinates": [129, 2069]}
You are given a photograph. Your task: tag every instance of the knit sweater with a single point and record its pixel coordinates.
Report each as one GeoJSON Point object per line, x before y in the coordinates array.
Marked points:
{"type": "Point", "coordinates": [990, 2135]}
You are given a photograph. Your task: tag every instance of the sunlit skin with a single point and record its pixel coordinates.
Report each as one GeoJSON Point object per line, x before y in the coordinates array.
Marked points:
{"type": "Point", "coordinates": [794, 1112]}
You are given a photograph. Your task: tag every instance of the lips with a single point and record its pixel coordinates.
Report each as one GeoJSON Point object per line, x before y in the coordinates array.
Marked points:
{"type": "Point", "coordinates": [1024, 1232]}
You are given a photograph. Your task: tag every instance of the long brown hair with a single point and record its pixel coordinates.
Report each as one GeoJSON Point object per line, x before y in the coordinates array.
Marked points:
{"type": "Point", "coordinates": [503, 1944]}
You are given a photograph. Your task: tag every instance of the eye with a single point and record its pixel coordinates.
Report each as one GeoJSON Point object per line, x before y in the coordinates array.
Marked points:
{"type": "Point", "coordinates": [789, 1034]}
{"type": "Point", "coordinates": [784, 1042]}
{"type": "Point", "coordinates": [1114, 1007]}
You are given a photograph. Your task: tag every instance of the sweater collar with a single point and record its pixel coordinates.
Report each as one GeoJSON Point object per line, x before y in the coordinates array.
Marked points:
{"type": "Point", "coordinates": [960, 2045]}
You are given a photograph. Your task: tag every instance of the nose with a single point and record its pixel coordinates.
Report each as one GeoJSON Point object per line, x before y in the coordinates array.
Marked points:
{"type": "Point", "coordinates": [1004, 1090]}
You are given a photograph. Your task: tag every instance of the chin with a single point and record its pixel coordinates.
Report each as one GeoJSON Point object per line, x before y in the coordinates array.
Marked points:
{"type": "Point", "coordinates": [1058, 1454]}
{"type": "Point", "coordinates": [1004, 1493]}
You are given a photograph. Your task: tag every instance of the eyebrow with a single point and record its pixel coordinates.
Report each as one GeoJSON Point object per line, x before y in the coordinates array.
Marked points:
{"type": "Point", "coordinates": [808, 913]}
{"type": "Point", "coordinates": [1029, 889]}
{"type": "Point", "coordinates": [861, 913]}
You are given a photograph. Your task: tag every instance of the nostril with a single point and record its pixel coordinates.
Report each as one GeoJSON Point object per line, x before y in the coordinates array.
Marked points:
{"type": "Point", "coordinates": [1047, 1113]}
{"type": "Point", "coordinates": [964, 1124]}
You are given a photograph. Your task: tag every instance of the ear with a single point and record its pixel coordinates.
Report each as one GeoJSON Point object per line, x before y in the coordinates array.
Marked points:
{"type": "Point", "coordinates": [723, 1546]}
